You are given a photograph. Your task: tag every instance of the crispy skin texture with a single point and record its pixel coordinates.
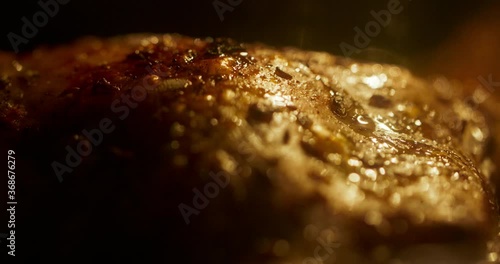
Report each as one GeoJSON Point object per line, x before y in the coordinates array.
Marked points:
{"type": "Point", "coordinates": [315, 149]}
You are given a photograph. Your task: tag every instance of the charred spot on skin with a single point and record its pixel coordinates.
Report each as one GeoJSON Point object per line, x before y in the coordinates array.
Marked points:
{"type": "Point", "coordinates": [224, 47]}
{"type": "Point", "coordinates": [320, 147]}
{"type": "Point", "coordinates": [286, 137]}
{"type": "Point", "coordinates": [260, 113]}
{"type": "Point", "coordinates": [380, 101]}
{"type": "Point", "coordinates": [317, 177]}
{"type": "Point", "coordinates": [228, 48]}
{"type": "Point", "coordinates": [310, 148]}
{"type": "Point", "coordinates": [103, 86]}
{"type": "Point", "coordinates": [282, 74]}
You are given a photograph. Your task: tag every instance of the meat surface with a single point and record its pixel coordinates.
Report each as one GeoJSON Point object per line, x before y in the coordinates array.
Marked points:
{"type": "Point", "coordinates": [190, 150]}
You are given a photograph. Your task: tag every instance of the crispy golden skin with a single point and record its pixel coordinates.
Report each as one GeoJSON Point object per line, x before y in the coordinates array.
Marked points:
{"type": "Point", "coordinates": [381, 161]}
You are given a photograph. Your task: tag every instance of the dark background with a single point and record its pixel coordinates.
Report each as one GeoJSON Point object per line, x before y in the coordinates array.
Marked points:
{"type": "Point", "coordinates": [316, 25]}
